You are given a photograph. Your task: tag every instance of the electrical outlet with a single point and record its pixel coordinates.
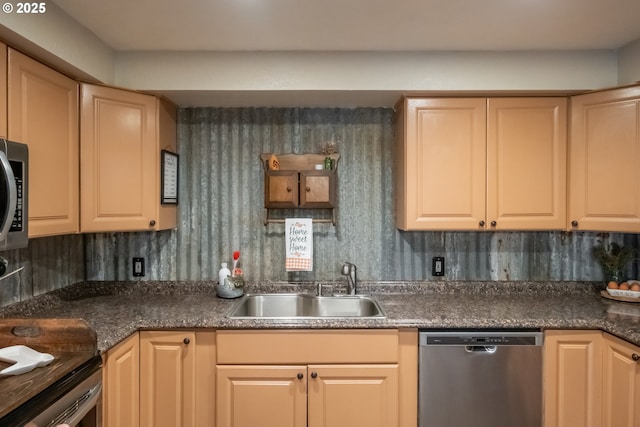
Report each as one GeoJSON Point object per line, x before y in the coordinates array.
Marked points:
{"type": "Point", "coordinates": [138, 267]}
{"type": "Point", "coordinates": [437, 266]}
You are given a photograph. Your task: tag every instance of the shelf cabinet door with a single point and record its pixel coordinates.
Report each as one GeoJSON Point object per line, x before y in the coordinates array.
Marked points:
{"type": "Point", "coordinates": [261, 396]}
{"type": "Point", "coordinates": [43, 113]}
{"type": "Point", "coordinates": [121, 374]}
{"type": "Point", "coordinates": [119, 160]}
{"type": "Point", "coordinates": [526, 163]}
{"type": "Point", "coordinates": [281, 189]}
{"type": "Point", "coordinates": [572, 378]}
{"type": "Point", "coordinates": [441, 164]}
{"type": "Point", "coordinates": [604, 155]}
{"type": "Point", "coordinates": [621, 380]}
{"type": "Point", "coordinates": [353, 395]}
{"type": "Point", "coordinates": [167, 379]}
{"type": "Point", "coordinates": [317, 189]}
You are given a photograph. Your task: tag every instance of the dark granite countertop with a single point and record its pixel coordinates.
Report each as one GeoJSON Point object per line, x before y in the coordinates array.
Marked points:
{"type": "Point", "coordinates": [117, 309]}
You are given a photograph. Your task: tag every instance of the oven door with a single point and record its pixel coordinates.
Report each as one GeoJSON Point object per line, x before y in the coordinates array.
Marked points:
{"type": "Point", "coordinates": [74, 400]}
{"type": "Point", "coordinates": [77, 408]}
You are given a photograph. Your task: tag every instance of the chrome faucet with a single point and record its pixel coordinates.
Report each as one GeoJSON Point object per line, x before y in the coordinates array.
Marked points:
{"type": "Point", "coordinates": [349, 270]}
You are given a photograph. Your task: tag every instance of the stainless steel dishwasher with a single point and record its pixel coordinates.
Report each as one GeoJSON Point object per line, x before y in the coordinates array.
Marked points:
{"type": "Point", "coordinates": [480, 378]}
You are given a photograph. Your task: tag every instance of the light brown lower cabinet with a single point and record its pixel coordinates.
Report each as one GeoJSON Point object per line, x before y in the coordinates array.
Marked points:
{"type": "Point", "coordinates": [255, 396]}
{"type": "Point", "coordinates": [168, 379]}
{"type": "Point", "coordinates": [621, 381]}
{"type": "Point", "coordinates": [591, 379]}
{"type": "Point", "coordinates": [353, 395]}
{"type": "Point", "coordinates": [121, 382]}
{"type": "Point", "coordinates": [328, 378]}
{"type": "Point", "coordinates": [263, 378]}
{"type": "Point", "coordinates": [314, 395]}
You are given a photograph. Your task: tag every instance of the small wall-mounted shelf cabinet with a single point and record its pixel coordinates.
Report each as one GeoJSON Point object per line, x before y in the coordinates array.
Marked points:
{"type": "Point", "coordinates": [297, 184]}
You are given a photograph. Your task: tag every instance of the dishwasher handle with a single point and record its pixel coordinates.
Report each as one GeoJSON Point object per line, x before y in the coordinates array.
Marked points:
{"type": "Point", "coordinates": [490, 349]}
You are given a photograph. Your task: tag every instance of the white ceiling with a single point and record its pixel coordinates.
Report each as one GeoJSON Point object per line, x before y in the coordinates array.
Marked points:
{"type": "Point", "coordinates": [358, 25]}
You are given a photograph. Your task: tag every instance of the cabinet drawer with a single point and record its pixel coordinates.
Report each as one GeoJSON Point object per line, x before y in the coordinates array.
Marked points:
{"type": "Point", "coordinates": [307, 346]}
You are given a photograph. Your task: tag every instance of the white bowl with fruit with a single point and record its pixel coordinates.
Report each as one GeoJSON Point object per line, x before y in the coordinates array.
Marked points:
{"type": "Point", "coordinates": [629, 289]}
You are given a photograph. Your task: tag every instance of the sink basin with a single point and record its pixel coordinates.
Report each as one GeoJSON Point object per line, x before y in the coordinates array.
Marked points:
{"type": "Point", "coordinates": [286, 306]}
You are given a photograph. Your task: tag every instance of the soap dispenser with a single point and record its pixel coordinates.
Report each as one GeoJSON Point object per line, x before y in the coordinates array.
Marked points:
{"type": "Point", "coordinates": [226, 288]}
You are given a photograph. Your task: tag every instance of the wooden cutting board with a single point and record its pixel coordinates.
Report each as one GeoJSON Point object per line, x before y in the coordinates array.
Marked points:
{"type": "Point", "coordinates": [71, 341]}
{"type": "Point", "coordinates": [48, 335]}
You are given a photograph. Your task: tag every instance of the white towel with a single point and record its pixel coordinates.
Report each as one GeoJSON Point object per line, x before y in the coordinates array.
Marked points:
{"type": "Point", "coordinates": [298, 236]}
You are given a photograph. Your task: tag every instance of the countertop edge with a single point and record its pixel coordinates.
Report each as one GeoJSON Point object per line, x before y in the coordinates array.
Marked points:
{"type": "Point", "coordinates": [135, 306]}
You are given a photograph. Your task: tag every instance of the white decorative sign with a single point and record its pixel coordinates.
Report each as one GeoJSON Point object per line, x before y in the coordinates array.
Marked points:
{"type": "Point", "coordinates": [299, 244]}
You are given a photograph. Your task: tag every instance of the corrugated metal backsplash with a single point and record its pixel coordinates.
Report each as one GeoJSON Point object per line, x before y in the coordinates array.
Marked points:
{"type": "Point", "coordinates": [221, 210]}
{"type": "Point", "coordinates": [48, 263]}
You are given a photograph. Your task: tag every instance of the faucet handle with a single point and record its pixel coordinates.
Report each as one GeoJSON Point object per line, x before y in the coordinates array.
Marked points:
{"type": "Point", "coordinates": [345, 268]}
{"type": "Point", "coordinates": [348, 267]}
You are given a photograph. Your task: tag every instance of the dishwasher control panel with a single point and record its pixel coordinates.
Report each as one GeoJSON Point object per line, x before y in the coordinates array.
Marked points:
{"type": "Point", "coordinates": [480, 338]}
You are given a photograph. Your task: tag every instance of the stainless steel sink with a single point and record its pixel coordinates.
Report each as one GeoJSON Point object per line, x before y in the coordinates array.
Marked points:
{"type": "Point", "coordinates": [287, 306]}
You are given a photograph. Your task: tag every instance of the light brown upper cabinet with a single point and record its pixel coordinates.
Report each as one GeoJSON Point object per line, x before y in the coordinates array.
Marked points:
{"type": "Point", "coordinates": [604, 168]}
{"type": "Point", "coordinates": [122, 134]}
{"type": "Point", "coordinates": [43, 113]}
{"type": "Point", "coordinates": [441, 164]}
{"type": "Point", "coordinates": [481, 164]}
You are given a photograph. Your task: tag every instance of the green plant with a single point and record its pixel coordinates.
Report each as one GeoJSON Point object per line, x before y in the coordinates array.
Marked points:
{"type": "Point", "coordinates": [329, 147]}
{"type": "Point", "coordinates": [613, 258]}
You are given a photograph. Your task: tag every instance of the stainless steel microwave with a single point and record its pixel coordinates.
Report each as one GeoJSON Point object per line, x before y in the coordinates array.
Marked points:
{"type": "Point", "coordinates": [14, 191]}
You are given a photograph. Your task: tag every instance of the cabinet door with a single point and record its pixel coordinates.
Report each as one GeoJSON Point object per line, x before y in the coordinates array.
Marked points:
{"type": "Point", "coordinates": [206, 379]}
{"type": "Point", "coordinates": [43, 113]}
{"type": "Point", "coordinates": [281, 189]}
{"type": "Point", "coordinates": [572, 378]}
{"type": "Point", "coordinates": [261, 396]}
{"type": "Point", "coordinates": [442, 165]}
{"type": "Point", "coordinates": [526, 163]}
{"type": "Point", "coordinates": [353, 395]}
{"type": "Point", "coordinates": [604, 156]}
{"type": "Point", "coordinates": [317, 189]}
{"type": "Point", "coordinates": [119, 160]}
{"type": "Point", "coordinates": [121, 377]}
{"type": "Point", "coordinates": [621, 379]}
{"type": "Point", "coordinates": [167, 379]}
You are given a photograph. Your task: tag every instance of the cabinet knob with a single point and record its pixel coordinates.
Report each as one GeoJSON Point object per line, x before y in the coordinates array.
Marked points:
{"type": "Point", "coordinates": [314, 375]}
{"type": "Point", "coordinates": [635, 357]}
{"type": "Point", "coordinates": [186, 341]}
{"type": "Point", "coordinates": [152, 223]}
{"type": "Point", "coordinates": [574, 223]}
{"type": "Point", "coordinates": [300, 376]}
{"type": "Point", "coordinates": [493, 223]}
{"type": "Point", "coordinates": [481, 223]}
{"type": "Point", "coordinates": [308, 189]}
{"type": "Point", "coordinates": [288, 189]}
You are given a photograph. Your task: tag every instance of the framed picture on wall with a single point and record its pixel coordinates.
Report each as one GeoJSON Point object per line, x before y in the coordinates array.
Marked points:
{"type": "Point", "coordinates": [169, 177]}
